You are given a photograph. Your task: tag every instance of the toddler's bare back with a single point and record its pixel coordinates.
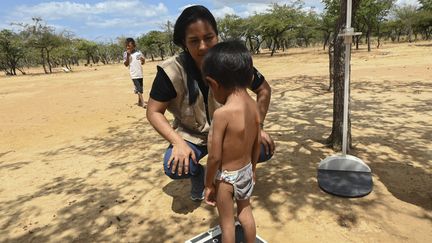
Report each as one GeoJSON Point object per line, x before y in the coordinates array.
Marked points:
{"type": "Point", "coordinates": [241, 114]}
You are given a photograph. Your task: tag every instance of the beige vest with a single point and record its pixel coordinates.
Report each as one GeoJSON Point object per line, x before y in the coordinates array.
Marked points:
{"type": "Point", "coordinates": [190, 121]}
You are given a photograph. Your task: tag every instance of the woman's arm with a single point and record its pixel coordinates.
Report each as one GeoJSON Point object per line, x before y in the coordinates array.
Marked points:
{"type": "Point", "coordinates": [263, 93]}
{"type": "Point", "coordinates": [181, 151]}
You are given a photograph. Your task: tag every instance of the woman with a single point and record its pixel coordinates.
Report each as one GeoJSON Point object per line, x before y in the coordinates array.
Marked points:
{"type": "Point", "coordinates": [178, 87]}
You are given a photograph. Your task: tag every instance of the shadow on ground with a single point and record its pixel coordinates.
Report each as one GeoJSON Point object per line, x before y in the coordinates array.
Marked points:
{"type": "Point", "coordinates": [287, 182]}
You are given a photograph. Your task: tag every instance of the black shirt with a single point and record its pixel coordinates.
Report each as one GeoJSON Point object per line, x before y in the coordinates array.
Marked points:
{"type": "Point", "coordinates": [163, 90]}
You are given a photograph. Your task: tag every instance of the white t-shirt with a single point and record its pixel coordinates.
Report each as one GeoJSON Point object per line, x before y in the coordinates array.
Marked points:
{"type": "Point", "coordinates": [135, 67]}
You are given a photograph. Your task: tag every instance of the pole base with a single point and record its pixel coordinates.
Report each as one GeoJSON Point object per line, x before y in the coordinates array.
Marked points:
{"type": "Point", "coordinates": [345, 176]}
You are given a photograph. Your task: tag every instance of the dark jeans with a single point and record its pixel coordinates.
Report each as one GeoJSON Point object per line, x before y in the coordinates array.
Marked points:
{"type": "Point", "coordinates": [200, 152]}
{"type": "Point", "coordinates": [138, 83]}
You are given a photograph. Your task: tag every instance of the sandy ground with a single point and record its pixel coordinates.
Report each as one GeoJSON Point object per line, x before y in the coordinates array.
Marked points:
{"type": "Point", "coordinates": [80, 163]}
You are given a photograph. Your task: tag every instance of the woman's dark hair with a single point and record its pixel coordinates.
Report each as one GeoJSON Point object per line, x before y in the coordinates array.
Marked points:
{"type": "Point", "coordinates": [230, 64]}
{"type": "Point", "coordinates": [188, 16]}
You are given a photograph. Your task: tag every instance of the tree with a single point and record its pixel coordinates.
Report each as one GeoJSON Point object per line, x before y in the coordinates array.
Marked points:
{"type": "Point", "coordinates": [109, 52]}
{"type": "Point", "coordinates": [328, 20]}
{"type": "Point", "coordinates": [332, 15]}
{"type": "Point", "coordinates": [407, 15]}
{"type": "Point", "coordinates": [168, 30]}
{"type": "Point", "coordinates": [372, 13]}
{"type": "Point", "coordinates": [231, 27]}
{"type": "Point", "coordinates": [426, 5]}
{"type": "Point", "coordinates": [12, 51]}
{"type": "Point", "coordinates": [335, 138]}
{"type": "Point", "coordinates": [308, 29]}
{"type": "Point", "coordinates": [89, 50]}
{"type": "Point", "coordinates": [62, 56]}
{"type": "Point", "coordinates": [423, 22]}
{"type": "Point", "coordinates": [278, 20]}
{"type": "Point", "coordinates": [154, 41]}
{"type": "Point", "coordinates": [43, 38]}
{"type": "Point", "coordinates": [253, 33]}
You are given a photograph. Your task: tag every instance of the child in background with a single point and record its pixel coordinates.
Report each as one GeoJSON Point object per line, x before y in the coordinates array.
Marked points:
{"type": "Point", "coordinates": [234, 138]}
{"type": "Point", "coordinates": [134, 59]}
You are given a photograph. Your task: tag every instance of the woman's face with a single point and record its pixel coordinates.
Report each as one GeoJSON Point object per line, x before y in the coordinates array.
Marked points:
{"type": "Point", "coordinates": [200, 37]}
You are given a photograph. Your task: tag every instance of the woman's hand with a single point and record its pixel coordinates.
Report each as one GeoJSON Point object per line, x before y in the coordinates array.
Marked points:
{"type": "Point", "coordinates": [268, 142]}
{"type": "Point", "coordinates": [179, 159]}
{"type": "Point", "coordinates": [181, 152]}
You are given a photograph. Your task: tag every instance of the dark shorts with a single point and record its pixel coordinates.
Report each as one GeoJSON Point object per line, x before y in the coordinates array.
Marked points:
{"type": "Point", "coordinates": [138, 83]}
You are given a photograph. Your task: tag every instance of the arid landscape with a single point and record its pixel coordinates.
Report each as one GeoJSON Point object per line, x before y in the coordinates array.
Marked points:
{"type": "Point", "coordinates": [79, 162]}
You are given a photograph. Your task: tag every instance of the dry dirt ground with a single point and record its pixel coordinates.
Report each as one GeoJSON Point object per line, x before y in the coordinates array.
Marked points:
{"type": "Point", "coordinates": [80, 163]}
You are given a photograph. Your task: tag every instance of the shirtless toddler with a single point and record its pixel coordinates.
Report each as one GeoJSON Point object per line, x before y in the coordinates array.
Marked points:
{"type": "Point", "coordinates": [234, 141]}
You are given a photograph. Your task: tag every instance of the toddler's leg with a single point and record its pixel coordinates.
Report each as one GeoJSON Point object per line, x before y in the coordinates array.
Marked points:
{"type": "Point", "coordinates": [225, 206]}
{"type": "Point", "coordinates": [245, 216]}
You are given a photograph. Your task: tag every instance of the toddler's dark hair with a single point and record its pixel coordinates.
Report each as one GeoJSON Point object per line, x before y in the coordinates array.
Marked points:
{"type": "Point", "coordinates": [230, 64]}
{"type": "Point", "coordinates": [130, 40]}
{"type": "Point", "coordinates": [188, 16]}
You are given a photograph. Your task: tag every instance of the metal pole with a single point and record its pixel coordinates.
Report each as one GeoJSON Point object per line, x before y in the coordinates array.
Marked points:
{"type": "Point", "coordinates": [348, 39]}
{"type": "Point", "coordinates": [349, 13]}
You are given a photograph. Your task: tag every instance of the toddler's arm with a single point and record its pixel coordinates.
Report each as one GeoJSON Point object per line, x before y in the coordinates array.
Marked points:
{"type": "Point", "coordinates": [126, 56]}
{"type": "Point", "coordinates": [216, 137]}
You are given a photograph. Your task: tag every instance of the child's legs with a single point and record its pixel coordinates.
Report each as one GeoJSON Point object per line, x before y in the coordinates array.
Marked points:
{"type": "Point", "coordinates": [138, 83]}
{"type": "Point", "coordinates": [140, 96]}
{"type": "Point", "coordinates": [194, 169]}
{"type": "Point", "coordinates": [224, 203]}
{"type": "Point", "coordinates": [245, 216]}
{"type": "Point", "coordinates": [140, 99]}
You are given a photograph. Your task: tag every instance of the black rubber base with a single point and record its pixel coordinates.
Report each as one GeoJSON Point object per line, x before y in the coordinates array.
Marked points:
{"type": "Point", "coordinates": [345, 183]}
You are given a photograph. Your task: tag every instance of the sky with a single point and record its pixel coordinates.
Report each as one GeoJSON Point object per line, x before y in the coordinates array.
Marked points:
{"type": "Point", "coordinates": [104, 20]}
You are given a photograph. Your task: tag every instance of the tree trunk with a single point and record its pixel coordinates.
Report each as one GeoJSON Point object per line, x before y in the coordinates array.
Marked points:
{"type": "Point", "coordinates": [13, 66]}
{"type": "Point", "coordinates": [326, 40]}
{"type": "Point", "coordinates": [43, 61]}
{"type": "Point", "coordinates": [251, 47]}
{"type": "Point", "coordinates": [269, 43]}
{"type": "Point", "coordinates": [410, 32]}
{"type": "Point", "coordinates": [259, 43]}
{"type": "Point", "coordinates": [335, 138]}
{"type": "Point", "coordinates": [379, 37]}
{"type": "Point", "coordinates": [357, 41]}
{"type": "Point", "coordinates": [274, 47]}
{"type": "Point", "coordinates": [22, 72]}
{"type": "Point", "coordinates": [161, 53]}
{"type": "Point", "coordinates": [330, 53]}
{"type": "Point", "coordinates": [49, 61]}
{"type": "Point", "coordinates": [368, 39]}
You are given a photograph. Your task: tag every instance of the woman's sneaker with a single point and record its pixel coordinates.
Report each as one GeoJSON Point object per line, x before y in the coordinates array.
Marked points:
{"type": "Point", "coordinates": [197, 197]}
